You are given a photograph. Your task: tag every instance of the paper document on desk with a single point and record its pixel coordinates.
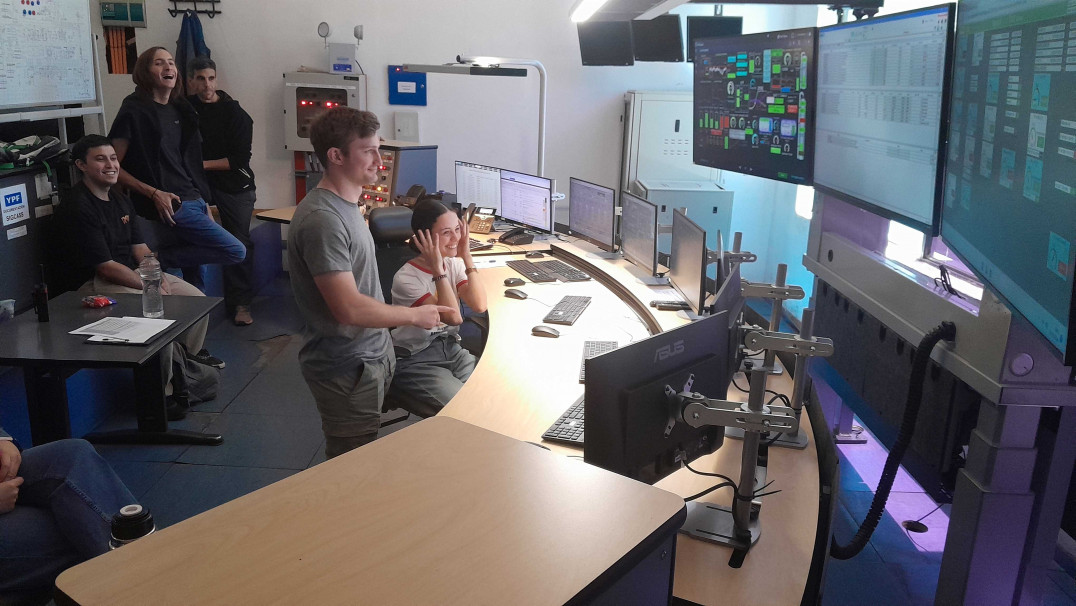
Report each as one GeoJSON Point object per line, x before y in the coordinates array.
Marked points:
{"type": "Point", "coordinates": [127, 329]}
{"type": "Point", "coordinates": [666, 294]}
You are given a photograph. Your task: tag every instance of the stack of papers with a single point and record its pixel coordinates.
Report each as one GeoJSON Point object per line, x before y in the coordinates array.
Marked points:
{"type": "Point", "coordinates": [128, 329]}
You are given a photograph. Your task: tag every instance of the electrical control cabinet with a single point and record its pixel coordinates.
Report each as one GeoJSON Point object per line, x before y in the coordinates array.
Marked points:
{"type": "Point", "coordinates": [307, 95]}
{"type": "Point", "coordinates": [403, 164]}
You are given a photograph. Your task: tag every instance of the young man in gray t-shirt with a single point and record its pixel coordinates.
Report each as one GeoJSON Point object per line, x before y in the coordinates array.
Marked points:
{"type": "Point", "coordinates": [347, 357]}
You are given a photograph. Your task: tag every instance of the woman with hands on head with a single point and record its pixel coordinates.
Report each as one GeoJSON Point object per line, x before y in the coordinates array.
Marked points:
{"type": "Point", "coordinates": [56, 506]}
{"type": "Point", "coordinates": [431, 365]}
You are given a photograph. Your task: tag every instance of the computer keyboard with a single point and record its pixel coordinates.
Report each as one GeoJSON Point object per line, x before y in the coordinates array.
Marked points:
{"type": "Point", "coordinates": [590, 350]}
{"type": "Point", "coordinates": [531, 271]}
{"type": "Point", "coordinates": [567, 310]}
{"type": "Point", "coordinates": [569, 427]}
{"type": "Point", "coordinates": [562, 270]}
{"type": "Point", "coordinates": [477, 245]}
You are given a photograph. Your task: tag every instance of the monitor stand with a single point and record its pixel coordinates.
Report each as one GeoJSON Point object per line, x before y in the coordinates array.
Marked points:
{"type": "Point", "coordinates": [687, 314]}
{"type": "Point", "coordinates": [655, 281]}
{"type": "Point", "coordinates": [607, 256]}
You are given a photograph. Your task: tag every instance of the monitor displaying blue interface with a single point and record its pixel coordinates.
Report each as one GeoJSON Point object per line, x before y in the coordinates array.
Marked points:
{"type": "Point", "coordinates": [639, 232]}
{"type": "Point", "coordinates": [754, 104]}
{"type": "Point", "coordinates": [882, 113]}
{"type": "Point", "coordinates": [592, 213]}
{"type": "Point", "coordinates": [527, 200]}
{"type": "Point", "coordinates": [1009, 207]}
{"type": "Point", "coordinates": [478, 184]}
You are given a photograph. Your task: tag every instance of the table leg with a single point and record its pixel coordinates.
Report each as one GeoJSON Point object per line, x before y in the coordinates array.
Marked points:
{"type": "Point", "coordinates": [151, 407]}
{"type": "Point", "coordinates": [46, 401]}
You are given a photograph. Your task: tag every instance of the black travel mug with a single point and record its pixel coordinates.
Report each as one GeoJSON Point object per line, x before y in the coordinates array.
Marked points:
{"type": "Point", "coordinates": [132, 522]}
{"type": "Point", "coordinates": [41, 302]}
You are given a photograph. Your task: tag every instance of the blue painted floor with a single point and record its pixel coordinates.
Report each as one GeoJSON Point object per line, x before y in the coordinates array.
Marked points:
{"type": "Point", "coordinates": [271, 430]}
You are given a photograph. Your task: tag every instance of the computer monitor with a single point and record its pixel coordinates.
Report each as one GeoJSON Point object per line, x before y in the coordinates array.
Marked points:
{"type": "Point", "coordinates": [592, 213]}
{"type": "Point", "coordinates": [639, 232]}
{"type": "Point", "coordinates": [658, 39]}
{"type": "Point", "coordinates": [881, 125]}
{"type": "Point", "coordinates": [605, 43]}
{"type": "Point", "coordinates": [710, 27]}
{"type": "Point", "coordinates": [478, 184]}
{"type": "Point", "coordinates": [687, 262]}
{"type": "Point", "coordinates": [754, 104]}
{"type": "Point", "coordinates": [527, 200]}
{"type": "Point", "coordinates": [1008, 208]}
{"type": "Point", "coordinates": [625, 410]}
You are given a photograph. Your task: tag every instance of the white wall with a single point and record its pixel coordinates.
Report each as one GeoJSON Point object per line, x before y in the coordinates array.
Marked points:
{"type": "Point", "coordinates": [491, 120]}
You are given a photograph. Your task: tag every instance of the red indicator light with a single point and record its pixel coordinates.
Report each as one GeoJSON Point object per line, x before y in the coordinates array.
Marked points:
{"type": "Point", "coordinates": [380, 199]}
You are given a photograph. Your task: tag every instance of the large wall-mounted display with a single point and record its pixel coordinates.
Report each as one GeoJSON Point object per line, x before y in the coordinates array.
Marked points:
{"type": "Point", "coordinates": [1010, 188]}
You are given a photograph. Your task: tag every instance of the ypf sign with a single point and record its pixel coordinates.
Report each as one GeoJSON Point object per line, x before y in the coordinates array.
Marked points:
{"type": "Point", "coordinates": [14, 205]}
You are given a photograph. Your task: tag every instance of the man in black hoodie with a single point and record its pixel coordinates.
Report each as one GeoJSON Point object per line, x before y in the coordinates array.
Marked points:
{"type": "Point", "coordinates": [226, 141]}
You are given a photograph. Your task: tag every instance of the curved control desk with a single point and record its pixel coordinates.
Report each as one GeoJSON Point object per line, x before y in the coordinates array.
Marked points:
{"type": "Point", "coordinates": [523, 383]}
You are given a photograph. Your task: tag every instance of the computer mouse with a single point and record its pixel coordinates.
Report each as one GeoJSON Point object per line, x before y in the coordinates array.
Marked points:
{"type": "Point", "coordinates": [514, 282]}
{"type": "Point", "coordinates": [515, 293]}
{"type": "Point", "coordinates": [545, 331]}
{"type": "Point", "coordinates": [534, 255]}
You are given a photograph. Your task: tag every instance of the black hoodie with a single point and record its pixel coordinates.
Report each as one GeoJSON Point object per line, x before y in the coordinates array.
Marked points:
{"type": "Point", "coordinates": [137, 123]}
{"type": "Point", "coordinates": [227, 131]}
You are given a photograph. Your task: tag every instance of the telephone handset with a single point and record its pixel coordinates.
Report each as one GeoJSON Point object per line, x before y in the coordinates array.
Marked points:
{"type": "Point", "coordinates": [412, 196]}
{"type": "Point", "coordinates": [478, 222]}
{"type": "Point", "coordinates": [516, 237]}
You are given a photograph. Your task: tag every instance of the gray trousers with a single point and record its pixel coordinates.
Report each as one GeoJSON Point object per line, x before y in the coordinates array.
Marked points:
{"type": "Point", "coordinates": [425, 381]}
{"type": "Point", "coordinates": [350, 404]}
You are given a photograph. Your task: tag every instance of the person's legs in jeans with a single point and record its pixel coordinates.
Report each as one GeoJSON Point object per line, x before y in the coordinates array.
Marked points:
{"type": "Point", "coordinates": [196, 239]}
{"type": "Point", "coordinates": [350, 405]}
{"type": "Point", "coordinates": [235, 211]}
{"type": "Point", "coordinates": [63, 514]}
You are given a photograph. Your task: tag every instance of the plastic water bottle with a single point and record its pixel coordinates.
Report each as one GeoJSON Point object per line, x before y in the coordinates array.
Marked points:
{"type": "Point", "coordinates": [150, 272]}
{"type": "Point", "coordinates": [132, 522]}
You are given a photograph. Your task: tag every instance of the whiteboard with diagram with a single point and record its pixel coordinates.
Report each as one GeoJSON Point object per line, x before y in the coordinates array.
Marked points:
{"type": "Point", "coordinates": [47, 56]}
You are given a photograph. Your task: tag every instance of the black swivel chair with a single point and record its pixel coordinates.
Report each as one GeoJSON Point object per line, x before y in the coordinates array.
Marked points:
{"type": "Point", "coordinates": [390, 227]}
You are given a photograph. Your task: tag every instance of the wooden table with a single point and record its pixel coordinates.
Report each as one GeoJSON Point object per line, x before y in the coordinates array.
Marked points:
{"type": "Point", "coordinates": [277, 215]}
{"type": "Point", "coordinates": [48, 355]}
{"type": "Point", "coordinates": [523, 383]}
{"type": "Point", "coordinates": [441, 512]}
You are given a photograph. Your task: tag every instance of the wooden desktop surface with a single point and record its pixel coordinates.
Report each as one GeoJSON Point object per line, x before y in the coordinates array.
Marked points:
{"type": "Point", "coordinates": [523, 383]}
{"type": "Point", "coordinates": [277, 215]}
{"type": "Point", "coordinates": [438, 513]}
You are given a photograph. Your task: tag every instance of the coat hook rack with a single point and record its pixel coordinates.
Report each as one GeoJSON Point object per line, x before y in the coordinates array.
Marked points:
{"type": "Point", "coordinates": [192, 6]}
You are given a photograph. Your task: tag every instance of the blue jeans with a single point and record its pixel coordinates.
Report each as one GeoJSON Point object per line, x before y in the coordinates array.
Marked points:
{"type": "Point", "coordinates": [62, 516]}
{"type": "Point", "coordinates": [196, 240]}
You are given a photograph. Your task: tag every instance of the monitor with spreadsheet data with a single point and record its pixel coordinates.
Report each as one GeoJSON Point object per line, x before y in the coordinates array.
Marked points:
{"type": "Point", "coordinates": [639, 232]}
{"type": "Point", "coordinates": [527, 200]}
{"type": "Point", "coordinates": [881, 124]}
{"type": "Point", "coordinates": [592, 213]}
{"type": "Point", "coordinates": [478, 184]}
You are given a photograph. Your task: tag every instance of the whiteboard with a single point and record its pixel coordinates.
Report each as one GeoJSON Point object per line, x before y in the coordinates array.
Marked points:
{"type": "Point", "coordinates": [47, 57]}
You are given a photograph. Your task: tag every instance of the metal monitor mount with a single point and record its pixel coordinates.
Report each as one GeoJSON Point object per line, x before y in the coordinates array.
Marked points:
{"type": "Point", "coordinates": [737, 527]}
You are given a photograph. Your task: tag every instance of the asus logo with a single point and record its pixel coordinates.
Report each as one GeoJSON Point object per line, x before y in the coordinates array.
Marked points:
{"type": "Point", "coordinates": [669, 351]}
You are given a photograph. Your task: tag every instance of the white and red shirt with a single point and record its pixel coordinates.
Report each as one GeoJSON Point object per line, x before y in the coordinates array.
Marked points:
{"type": "Point", "coordinates": [413, 286]}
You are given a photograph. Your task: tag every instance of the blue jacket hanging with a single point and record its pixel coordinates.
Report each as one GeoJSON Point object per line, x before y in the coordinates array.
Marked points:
{"type": "Point", "coordinates": [191, 43]}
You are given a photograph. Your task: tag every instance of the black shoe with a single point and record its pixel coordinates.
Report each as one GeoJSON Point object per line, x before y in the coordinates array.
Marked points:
{"type": "Point", "coordinates": [204, 357]}
{"type": "Point", "coordinates": [175, 409]}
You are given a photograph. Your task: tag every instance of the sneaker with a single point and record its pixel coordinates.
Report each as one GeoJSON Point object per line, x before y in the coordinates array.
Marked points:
{"type": "Point", "coordinates": [175, 409]}
{"type": "Point", "coordinates": [204, 357]}
{"type": "Point", "coordinates": [242, 316]}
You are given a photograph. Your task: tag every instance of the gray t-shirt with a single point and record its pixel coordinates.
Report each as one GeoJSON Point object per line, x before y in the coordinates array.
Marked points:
{"type": "Point", "coordinates": [329, 234]}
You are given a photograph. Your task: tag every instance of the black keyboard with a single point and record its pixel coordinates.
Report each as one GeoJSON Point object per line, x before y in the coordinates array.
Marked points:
{"type": "Point", "coordinates": [569, 427]}
{"type": "Point", "coordinates": [531, 271]}
{"type": "Point", "coordinates": [567, 310]}
{"type": "Point", "coordinates": [563, 271]}
{"type": "Point", "coordinates": [476, 245]}
{"type": "Point", "coordinates": [590, 350]}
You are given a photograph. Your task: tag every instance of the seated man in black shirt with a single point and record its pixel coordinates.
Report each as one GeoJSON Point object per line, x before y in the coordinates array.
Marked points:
{"type": "Point", "coordinates": [103, 228]}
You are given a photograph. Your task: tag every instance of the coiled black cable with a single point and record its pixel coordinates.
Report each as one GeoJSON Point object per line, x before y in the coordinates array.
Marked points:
{"type": "Point", "coordinates": [945, 331]}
